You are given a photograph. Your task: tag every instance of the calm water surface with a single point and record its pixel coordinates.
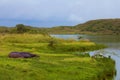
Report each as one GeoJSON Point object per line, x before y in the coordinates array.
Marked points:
{"type": "Point", "coordinates": [113, 43]}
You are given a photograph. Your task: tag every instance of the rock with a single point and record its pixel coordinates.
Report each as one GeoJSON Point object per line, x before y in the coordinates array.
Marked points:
{"type": "Point", "coordinates": [98, 56]}
{"type": "Point", "coordinates": [21, 55]}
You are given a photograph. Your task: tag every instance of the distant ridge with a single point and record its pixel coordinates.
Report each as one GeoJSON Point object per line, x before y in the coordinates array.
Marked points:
{"type": "Point", "coordinates": [101, 26]}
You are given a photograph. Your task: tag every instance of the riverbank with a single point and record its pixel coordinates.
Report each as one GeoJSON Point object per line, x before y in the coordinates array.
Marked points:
{"type": "Point", "coordinates": [59, 59]}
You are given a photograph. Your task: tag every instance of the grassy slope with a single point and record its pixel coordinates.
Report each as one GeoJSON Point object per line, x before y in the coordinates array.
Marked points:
{"type": "Point", "coordinates": [56, 66]}
{"type": "Point", "coordinates": [100, 26]}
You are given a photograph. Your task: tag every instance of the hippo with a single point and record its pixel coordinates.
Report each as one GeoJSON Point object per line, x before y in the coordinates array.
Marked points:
{"type": "Point", "coordinates": [21, 55]}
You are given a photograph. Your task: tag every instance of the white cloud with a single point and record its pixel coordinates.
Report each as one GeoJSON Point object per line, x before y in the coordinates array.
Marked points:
{"type": "Point", "coordinates": [59, 10]}
{"type": "Point", "coordinates": [34, 9]}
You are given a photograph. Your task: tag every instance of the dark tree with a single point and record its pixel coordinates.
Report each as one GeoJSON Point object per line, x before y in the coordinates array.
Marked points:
{"type": "Point", "coordinates": [21, 28]}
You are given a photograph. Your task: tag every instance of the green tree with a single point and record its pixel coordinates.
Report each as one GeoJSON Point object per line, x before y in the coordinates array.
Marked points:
{"type": "Point", "coordinates": [21, 28]}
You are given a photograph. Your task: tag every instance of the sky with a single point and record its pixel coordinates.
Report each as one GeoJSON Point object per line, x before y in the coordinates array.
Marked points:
{"type": "Point", "coordinates": [50, 13]}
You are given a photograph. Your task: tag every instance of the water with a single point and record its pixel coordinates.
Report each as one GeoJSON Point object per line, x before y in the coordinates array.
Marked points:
{"type": "Point", "coordinates": [113, 43]}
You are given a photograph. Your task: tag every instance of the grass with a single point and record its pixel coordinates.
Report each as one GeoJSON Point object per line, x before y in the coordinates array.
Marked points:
{"type": "Point", "coordinates": [54, 67]}
{"type": "Point", "coordinates": [61, 60]}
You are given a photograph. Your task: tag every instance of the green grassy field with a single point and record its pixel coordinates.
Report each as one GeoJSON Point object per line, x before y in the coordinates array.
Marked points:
{"type": "Point", "coordinates": [59, 59]}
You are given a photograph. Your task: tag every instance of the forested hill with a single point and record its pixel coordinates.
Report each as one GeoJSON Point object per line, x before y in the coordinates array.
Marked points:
{"type": "Point", "coordinates": [102, 26]}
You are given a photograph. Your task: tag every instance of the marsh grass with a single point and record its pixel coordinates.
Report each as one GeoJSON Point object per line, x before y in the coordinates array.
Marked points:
{"type": "Point", "coordinates": [55, 67]}
{"type": "Point", "coordinates": [62, 61]}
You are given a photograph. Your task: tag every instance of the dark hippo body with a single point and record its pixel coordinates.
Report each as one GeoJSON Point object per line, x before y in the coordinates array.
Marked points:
{"type": "Point", "coordinates": [21, 55]}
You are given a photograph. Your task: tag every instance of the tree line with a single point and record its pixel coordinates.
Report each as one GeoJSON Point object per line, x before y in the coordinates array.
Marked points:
{"type": "Point", "coordinates": [21, 28]}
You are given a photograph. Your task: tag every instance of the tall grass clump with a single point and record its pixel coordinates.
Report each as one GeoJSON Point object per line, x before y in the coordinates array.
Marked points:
{"type": "Point", "coordinates": [25, 38]}
{"type": "Point", "coordinates": [48, 43]}
{"type": "Point", "coordinates": [76, 46]}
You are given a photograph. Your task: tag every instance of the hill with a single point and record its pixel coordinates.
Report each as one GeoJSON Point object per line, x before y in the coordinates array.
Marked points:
{"type": "Point", "coordinates": [102, 26]}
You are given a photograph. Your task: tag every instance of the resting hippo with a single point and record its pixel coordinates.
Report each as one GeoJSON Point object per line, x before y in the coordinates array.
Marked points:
{"type": "Point", "coordinates": [21, 55]}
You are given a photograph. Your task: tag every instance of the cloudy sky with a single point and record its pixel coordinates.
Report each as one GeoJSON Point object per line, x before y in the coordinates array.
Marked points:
{"type": "Point", "coordinates": [49, 13]}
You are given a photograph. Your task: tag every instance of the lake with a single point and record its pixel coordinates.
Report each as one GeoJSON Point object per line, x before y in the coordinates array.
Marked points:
{"type": "Point", "coordinates": [112, 41]}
